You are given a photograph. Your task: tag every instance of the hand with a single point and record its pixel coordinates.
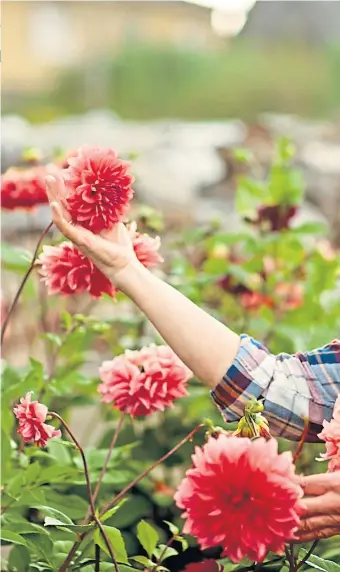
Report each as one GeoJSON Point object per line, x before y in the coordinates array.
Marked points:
{"type": "Point", "coordinates": [111, 251]}
{"type": "Point", "coordinates": [321, 517]}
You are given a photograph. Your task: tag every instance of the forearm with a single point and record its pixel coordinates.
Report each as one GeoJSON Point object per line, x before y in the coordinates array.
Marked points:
{"type": "Point", "coordinates": [203, 343]}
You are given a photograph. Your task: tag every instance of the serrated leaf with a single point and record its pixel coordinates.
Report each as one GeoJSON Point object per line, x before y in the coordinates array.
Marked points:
{"type": "Point", "coordinates": [117, 542]}
{"type": "Point", "coordinates": [143, 560]}
{"type": "Point", "coordinates": [172, 527]}
{"type": "Point", "coordinates": [78, 528]}
{"type": "Point", "coordinates": [147, 536]}
{"type": "Point", "coordinates": [12, 537]}
{"type": "Point", "coordinates": [168, 551]}
{"type": "Point", "coordinates": [112, 510]}
{"type": "Point", "coordinates": [54, 513]}
{"type": "Point", "coordinates": [321, 564]}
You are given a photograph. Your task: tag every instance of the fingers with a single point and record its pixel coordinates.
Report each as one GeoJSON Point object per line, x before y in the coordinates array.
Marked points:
{"type": "Point", "coordinates": [76, 234]}
{"type": "Point", "coordinates": [320, 505]}
{"type": "Point", "coordinates": [317, 535]}
{"type": "Point", "coordinates": [56, 192]}
{"type": "Point", "coordinates": [319, 523]}
{"type": "Point", "coordinates": [318, 484]}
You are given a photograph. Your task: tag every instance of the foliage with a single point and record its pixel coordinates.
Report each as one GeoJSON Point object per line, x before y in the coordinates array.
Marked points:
{"type": "Point", "coordinates": [261, 81]}
{"type": "Point", "coordinates": [241, 278]}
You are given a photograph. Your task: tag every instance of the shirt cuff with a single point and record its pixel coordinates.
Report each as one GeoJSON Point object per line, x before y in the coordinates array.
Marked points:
{"type": "Point", "coordinates": [237, 386]}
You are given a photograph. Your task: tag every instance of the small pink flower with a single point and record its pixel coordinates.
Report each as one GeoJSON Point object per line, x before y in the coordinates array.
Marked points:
{"type": "Point", "coordinates": [65, 270]}
{"type": "Point", "coordinates": [32, 417]}
{"type": "Point", "coordinates": [141, 382]}
{"type": "Point", "coordinates": [242, 495]}
{"type": "Point", "coordinates": [99, 188]}
{"type": "Point", "coordinates": [146, 247]}
{"type": "Point", "coordinates": [331, 435]}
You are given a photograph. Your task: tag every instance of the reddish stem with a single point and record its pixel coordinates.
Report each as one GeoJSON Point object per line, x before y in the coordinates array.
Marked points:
{"type": "Point", "coordinates": [23, 282]}
{"type": "Point", "coordinates": [301, 443]}
{"type": "Point", "coordinates": [89, 490]}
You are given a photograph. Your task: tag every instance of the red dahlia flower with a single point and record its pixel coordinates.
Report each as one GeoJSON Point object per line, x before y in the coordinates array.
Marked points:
{"type": "Point", "coordinates": [65, 270]}
{"type": "Point", "coordinates": [25, 188]}
{"type": "Point", "coordinates": [141, 382]}
{"type": "Point", "coordinates": [31, 416]}
{"type": "Point", "coordinates": [146, 247]}
{"type": "Point", "coordinates": [99, 188]}
{"type": "Point", "coordinates": [242, 495]}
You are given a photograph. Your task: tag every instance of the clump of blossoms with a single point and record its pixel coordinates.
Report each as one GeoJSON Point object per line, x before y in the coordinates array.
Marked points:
{"type": "Point", "coordinates": [331, 435]}
{"type": "Point", "coordinates": [32, 416]}
{"type": "Point", "coordinates": [25, 188]}
{"type": "Point", "coordinates": [142, 382]}
{"type": "Point", "coordinates": [242, 495]}
{"type": "Point", "coordinates": [98, 187]}
{"type": "Point", "coordinates": [65, 270]}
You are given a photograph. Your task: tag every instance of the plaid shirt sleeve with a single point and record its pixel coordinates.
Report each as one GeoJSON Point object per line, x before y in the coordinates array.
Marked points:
{"type": "Point", "coordinates": [294, 387]}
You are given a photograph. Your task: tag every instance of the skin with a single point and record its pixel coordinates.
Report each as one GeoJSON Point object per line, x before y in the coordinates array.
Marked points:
{"type": "Point", "coordinates": [204, 344]}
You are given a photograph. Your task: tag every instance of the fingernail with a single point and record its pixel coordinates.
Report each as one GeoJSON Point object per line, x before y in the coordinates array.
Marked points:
{"type": "Point", "coordinates": [54, 206]}
{"type": "Point", "coordinates": [49, 180]}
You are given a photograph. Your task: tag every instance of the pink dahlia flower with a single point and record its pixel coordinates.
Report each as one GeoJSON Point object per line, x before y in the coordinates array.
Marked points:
{"type": "Point", "coordinates": [242, 495]}
{"type": "Point", "coordinates": [32, 417]}
{"type": "Point", "coordinates": [209, 565]}
{"type": "Point", "coordinates": [146, 247]}
{"type": "Point", "coordinates": [331, 435]}
{"type": "Point", "coordinates": [25, 188]}
{"type": "Point", "coordinates": [141, 382]}
{"type": "Point", "coordinates": [65, 270]}
{"type": "Point", "coordinates": [99, 188]}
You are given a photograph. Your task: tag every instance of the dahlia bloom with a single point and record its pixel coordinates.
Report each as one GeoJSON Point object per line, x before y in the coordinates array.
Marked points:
{"type": "Point", "coordinates": [98, 188]}
{"type": "Point", "coordinates": [25, 188]}
{"type": "Point", "coordinates": [241, 494]}
{"type": "Point", "coordinates": [65, 270]}
{"type": "Point", "coordinates": [32, 417]}
{"type": "Point", "coordinates": [331, 435]}
{"type": "Point", "coordinates": [209, 565]}
{"type": "Point", "coordinates": [142, 382]}
{"type": "Point", "coordinates": [146, 247]}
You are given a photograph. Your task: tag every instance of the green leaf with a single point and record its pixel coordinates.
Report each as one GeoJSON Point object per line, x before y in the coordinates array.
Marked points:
{"type": "Point", "coordinates": [143, 560]}
{"type": "Point", "coordinates": [54, 513]}
{"type": "Point", "coordinates": [42, 546]}
{"type": "Point", "coordinates": [72, 505]}
{"type": "Point", "coordinates": [172, 527]}
{"type": "Point", "coordinates": [14, 258]}
{"type": "Point", "coordinates": [60, 452]}
{"type": "Point", "coordinates": [78, 528]}
{"type": "Point", "coordinates": [12, 537]}
{"type": "Point", "coordinates": [117, 542]}
{"type": "Point", "coordinates": [112, 510]}
{"type": "Point", "coordinates": [170, 551]}
{"type": "Point", "coordinates": [147, 536]}
{"type": "Point", "coordinates": [19, 559]}
{"type": "Point", "coordinates": [310, 228]}
{"type": "Point", "coordinates": [321, 564]}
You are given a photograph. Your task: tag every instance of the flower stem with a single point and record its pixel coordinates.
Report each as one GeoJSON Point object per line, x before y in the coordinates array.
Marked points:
{"type": "Point", "coordinates": [301, 443]}
{"type": "Point", "coordinates": [162, 554]}
{"type": "Point", "coordinates": [97, 554]}
{"type": "Point", "coordinates": [89, 490]}
{"type": "Point", "coordinates": [308, 554]}
{"type": "Point", "coordinates": [290, 558]}
{"type": "Point", "coordinates": [147, 471]}
{"type": "Point", "coordinates": [127, 488]}
{"type": "Point", "coordinates": [23, 282]}
{"type": "Point", "coordinates": [107, 460]}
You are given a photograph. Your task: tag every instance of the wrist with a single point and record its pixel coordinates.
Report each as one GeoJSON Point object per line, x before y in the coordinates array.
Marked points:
{"type": "Point", "coordinates": [128, 279]}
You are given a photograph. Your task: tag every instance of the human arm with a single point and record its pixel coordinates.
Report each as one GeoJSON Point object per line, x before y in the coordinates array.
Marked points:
{"type": "Point", "coordinates": [295, 388]}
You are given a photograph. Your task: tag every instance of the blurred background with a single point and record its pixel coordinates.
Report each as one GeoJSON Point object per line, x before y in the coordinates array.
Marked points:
{"type": "Point", "coordinates": [175, 86]}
